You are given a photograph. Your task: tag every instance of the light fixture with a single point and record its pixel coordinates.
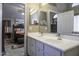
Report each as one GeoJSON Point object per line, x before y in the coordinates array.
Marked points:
{"type": "Point", "coordinates": [55, 16]}
{"type": "Point", "coordinates": [42, 4]}
{"type": "Point", "coordinates": [22, 13]}
{"type": "Point", "coordinates": [31, 10]}
{"type": "Point", "coordinates": [34, 11]}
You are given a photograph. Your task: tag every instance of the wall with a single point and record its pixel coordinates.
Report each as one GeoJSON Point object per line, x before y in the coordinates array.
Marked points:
{"type": "Point", "coordinates": [33, 5]}
{"type": "Point", "coordinates": [0, 29]}
{"type": "Point", "coordinates": [34, 28]}
{"type": "Point", "coordinates": [43, 29]}
{"type": "Point", "coordinates": [65, 22]}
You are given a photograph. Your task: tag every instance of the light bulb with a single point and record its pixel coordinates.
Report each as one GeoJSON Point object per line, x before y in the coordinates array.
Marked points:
{"type": "Point", "coordinates": [22, 13]}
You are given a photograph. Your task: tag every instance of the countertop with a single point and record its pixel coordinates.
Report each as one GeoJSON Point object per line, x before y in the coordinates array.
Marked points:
{"type": "Point", "coordinates": [51, 39]}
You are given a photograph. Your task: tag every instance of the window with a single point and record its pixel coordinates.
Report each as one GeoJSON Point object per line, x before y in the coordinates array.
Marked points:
{"type": "Point", "coordinates": [76, 23]}
{"type": "Point", "coordinates": [75, 4]}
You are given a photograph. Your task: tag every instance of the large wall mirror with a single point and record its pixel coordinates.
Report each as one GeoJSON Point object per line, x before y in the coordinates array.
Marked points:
{"type": "Point", "coordinates": [43, 27]}
{"type": "Point", "coordinates": [47, 20]}
{"type": "Point", "coordinates": [33, 16]}
{"type": "Point", "coordinates": [33, 20]}
{"type": "Point", "coordinates": [43, 18]}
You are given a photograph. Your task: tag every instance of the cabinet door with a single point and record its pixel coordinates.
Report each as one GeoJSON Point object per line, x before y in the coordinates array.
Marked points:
{"type": "Point", "coordinates": [31, 46]}
{"type": "Point", "coordinates": [51, 51]}
{"type": "Point", "coordinates": [39, 52]}
{"type": "Point", "coordinates": [29, 52]}
{"type": "Point", "coordinates": [29, 43]}
{"type": "Point", "coordinates": [39, 48]}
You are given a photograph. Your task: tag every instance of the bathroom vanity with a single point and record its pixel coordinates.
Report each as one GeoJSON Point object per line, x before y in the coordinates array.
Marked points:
{"type": "Point", "coordinates": [48, 45]}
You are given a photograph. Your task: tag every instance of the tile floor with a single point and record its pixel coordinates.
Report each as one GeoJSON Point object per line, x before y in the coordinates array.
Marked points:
{"type": "Point", "coordinates": [14, 52]}
{"type": "Point", "coordinates": [18, 51]}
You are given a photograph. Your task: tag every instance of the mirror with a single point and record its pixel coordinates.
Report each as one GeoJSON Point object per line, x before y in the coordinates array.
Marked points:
{"type": "Point", "coordinates": [43, 21]}
{"type": "Point", "coordinates": [33, 16]}
{"type": "Point", "coordinates": [53, 22]}
{"type": "Point", "coordinates": [43, 18]}
{"type": "Point", "coordinates": [33, 20]}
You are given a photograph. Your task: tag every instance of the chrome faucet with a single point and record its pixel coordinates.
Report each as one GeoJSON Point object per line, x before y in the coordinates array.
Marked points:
{"type": "Point", "coordinates": [59, 36]}
{"type": "Point", "coordinates": [41, 33]}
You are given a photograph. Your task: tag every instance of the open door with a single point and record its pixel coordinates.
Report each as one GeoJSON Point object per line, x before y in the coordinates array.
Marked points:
{"type": "Point", "coordinates": [13, 29]}
{"type": "Point", "coordinates": [65, 22]}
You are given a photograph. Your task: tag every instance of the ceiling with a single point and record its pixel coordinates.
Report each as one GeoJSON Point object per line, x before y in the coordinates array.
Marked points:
{"type": "Point", "coordinates": [13, 10]}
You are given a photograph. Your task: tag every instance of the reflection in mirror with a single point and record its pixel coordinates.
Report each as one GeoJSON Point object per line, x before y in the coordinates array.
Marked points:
{"type": "Point", "coordinates": [33, 20]}
{"type": "Point", "coordinates": [53, 22]}
{"type": "Point", "coordinates": [43, 18]}
{"type": "Point", "coordinates": [34, 17]}
{"type": "Point", "coordinates": [43, 22]}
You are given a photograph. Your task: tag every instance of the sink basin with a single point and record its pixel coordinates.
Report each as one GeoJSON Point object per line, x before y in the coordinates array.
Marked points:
{"type": "Point", "coordinates": [55, 41]}
{"type": "Point", "coordinates": [35, 34]}
{"type": "Point", "coordinates": [61, 43]}
{"type": "Point", "coordinates": [49, 38]}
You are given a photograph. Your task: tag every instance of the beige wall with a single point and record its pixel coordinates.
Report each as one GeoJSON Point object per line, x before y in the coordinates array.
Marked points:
{"type": "Point", "coordinates": [34, 28]}
{"type": "Point", "coordinates": [33, 5]}
{"type": "Point", "coordinates": [39, 7]}
{"type": "Point", "coordinates": [43, 29]}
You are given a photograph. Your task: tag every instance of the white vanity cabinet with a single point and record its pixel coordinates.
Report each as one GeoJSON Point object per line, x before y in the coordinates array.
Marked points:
{"type": "Point", "coordinates": [51, 51]}
{"type": "Point", "coordinates": [39, 48]}
{"type": "Point", "coordinates": [31, 47]}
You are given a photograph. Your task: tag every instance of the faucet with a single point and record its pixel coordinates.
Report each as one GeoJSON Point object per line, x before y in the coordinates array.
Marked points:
{"type": "Point", "coordinates": [59, 37]}
{"type": "Point", "coordinates": [41, 33]}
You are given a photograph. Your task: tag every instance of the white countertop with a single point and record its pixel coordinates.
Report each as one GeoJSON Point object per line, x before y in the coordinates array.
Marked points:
{"type": "Point", "coordinates": [51, 39]}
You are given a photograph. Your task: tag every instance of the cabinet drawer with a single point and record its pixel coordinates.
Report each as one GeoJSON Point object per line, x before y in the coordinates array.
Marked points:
{"type": "Point", "coordinates": [31, 47]}
{"type": "Point", "coordinates": [51, 51]}
{"type": "Point", "coordinates": [39, 45]}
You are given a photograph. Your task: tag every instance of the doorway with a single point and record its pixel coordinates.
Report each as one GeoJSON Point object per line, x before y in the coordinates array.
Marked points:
{"type": "Point", "coordinates": [53, 20]}
{"type": "Point", "coordinates": [13, 29]}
